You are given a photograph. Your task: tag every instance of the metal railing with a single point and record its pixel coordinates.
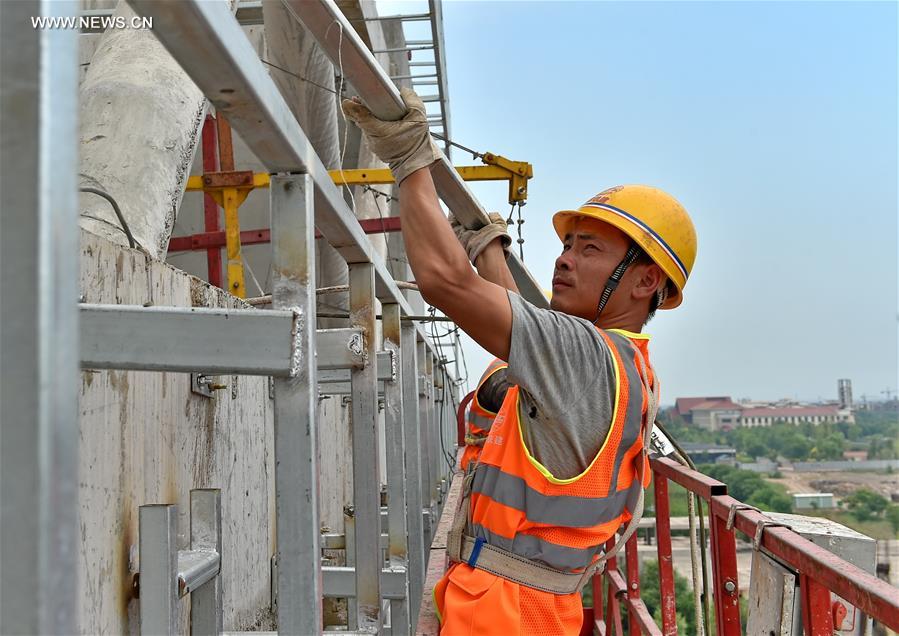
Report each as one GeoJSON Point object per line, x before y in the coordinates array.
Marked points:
{"type": "Point", "coordinates": [821, 573]}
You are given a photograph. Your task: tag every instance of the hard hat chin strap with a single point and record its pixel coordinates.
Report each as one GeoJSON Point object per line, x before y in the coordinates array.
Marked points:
{"type": "Point", "coordinates": [612, 284]}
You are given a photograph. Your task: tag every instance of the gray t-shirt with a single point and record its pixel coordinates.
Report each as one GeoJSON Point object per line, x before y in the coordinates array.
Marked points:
{"type": "Point", "coordinates": [567, 379]}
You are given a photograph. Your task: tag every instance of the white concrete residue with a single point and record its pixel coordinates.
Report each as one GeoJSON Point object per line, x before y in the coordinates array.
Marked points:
{"type": "Point", "coordinates": [145, 438]}
{"type": "Point", "coordinates": [140, 121]}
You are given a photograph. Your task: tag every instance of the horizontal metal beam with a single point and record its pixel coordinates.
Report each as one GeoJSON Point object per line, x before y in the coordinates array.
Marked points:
{"type": "Point", "coordinates": [196, 567]}
{"type": "Point", "coordinates": [410, 17]}
{"type": "Point", "coordinates": [383, 98]}
{"type": "Point", "coordinates": [208, 340]}
{"type": "Point", "coordinates": [344, 388]}
{"type": "Point", "coordinates": [412, 77]}
{"type": "Point", "coordinates": [386, 370]}
{"type": "Point", "coordinates": [401, 49]}
{"type": "Point", "coordinates": [337, 541]}
{"type": "Point", "coordinates": [340, 582]}
{"type": "Point", "coordinates": [207, 240]}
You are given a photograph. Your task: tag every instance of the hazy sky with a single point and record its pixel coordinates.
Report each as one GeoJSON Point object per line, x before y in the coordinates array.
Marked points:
{"type": "Point", "coordinates": [774, 123]}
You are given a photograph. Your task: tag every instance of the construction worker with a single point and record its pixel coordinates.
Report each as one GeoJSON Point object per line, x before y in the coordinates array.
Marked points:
{"type": "Point", "coordinates": [564, 465]}
{"type": "Point", "coordinates": [485, 404]}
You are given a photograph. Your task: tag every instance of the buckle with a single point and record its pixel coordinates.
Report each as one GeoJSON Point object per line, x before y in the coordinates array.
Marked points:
{"type": "Point", "coordinates": [732, 513]}
{"type": "Point", "coordinates": [760, 528]}
{"type": "Point", "coordinates": [475, 552]}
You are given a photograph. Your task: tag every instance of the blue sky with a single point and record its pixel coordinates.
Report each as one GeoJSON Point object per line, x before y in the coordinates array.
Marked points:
{"type": "Point", "coordinates": [774, 123]}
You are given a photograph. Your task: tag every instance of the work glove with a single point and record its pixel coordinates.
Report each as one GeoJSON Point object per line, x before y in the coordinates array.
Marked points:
{"type": "Point", "coordinates": [476, 241]}
{"type": "Point", "coordinates": [405, 145]}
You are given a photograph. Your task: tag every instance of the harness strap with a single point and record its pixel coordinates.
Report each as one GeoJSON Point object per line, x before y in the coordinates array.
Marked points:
{"type": "Point", "coordinates": [518, 569]}
{"type": "Point", "coordinates": [612, 283]}
{"type": "Point", "coordinates": [461, 548]}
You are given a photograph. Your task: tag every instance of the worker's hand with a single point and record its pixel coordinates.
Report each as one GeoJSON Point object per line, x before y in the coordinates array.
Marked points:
{"type": "Point", "coordinates": [476, 241]}
{"type": "Point", "coordinates": [405, 145]}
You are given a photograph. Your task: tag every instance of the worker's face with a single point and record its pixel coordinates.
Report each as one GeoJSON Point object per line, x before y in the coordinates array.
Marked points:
{"type": "Point", "coordinates": [590, 253]}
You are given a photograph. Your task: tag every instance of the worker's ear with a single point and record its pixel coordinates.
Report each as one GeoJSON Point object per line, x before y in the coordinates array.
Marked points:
{"type": "Point", "coordinates": [649, 278]}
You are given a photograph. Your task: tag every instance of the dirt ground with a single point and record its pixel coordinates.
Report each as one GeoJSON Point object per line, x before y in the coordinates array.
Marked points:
{"type": "Point", "coordinates": [840, 484]}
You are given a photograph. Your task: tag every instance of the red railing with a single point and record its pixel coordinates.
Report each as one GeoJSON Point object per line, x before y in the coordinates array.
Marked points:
{"type": "Point", "coordinates": [820, 572]}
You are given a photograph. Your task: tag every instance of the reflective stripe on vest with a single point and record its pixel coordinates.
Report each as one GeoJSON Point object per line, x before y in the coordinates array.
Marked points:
{"type": "Point", "coordinates": [519, 506]}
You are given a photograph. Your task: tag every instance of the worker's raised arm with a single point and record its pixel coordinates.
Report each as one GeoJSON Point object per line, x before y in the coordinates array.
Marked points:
{"type": "Point", "coordinates": [443, 272]}
{"type": "Point", "coordinates": [439, 263]}
{"type": "Point", "coordinates": [488, 249]}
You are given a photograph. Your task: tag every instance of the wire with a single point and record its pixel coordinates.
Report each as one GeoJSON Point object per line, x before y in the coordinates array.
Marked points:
{"type": "Point", "coordinates": [378, 193]}
{"type": "Point", "coordinates": [118, 212]}
{"type": "Point", "coordinates": [375, 195]}
{"type": "Point", "coordinates": [246, 264]}
{"type": "Point", "coordinates": [684, 458]}
{"type": "Point", "coordinates": [301, 78]}
{"type": "Point", "coordinates": [474, 153]}
{"type": "Point", "coordinates": [447, 456]}
{"type": "Point", "coordinates": [346, 124]}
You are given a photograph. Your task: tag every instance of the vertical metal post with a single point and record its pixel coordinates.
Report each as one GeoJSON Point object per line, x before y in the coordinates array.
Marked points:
{"type": "Point", "coordinates": [424, 427]}
{"type": "Point", "coordinates": [433, 433]}
{"type": "Point", "coordinates": [414, 525]}
{"type": "Point", "coordinates": [230, 204]}
{"type": "Point", "coordinates": [206, 534]}
{"type": "Point", "coordinates": [599, 617]}
{"type": "Point", "coordinates": [158, 569]}
{"type": "Point", "coordinates": [39, 269]}
{"type": "Point", "coordinates": [612, 602]}
{"type": "Point", "coordinates": [666, 568]}
{"type": "Point", "coordinates": [817, 616]}
{"type": "Point", "coordinates": [395, 436]}
{"type": "Point", "coordinates": [296, 406]}
{"type": "Point", "coordinates": [366, 475]}
{"type": "Point", "coordinates": [349, 531]}
{"type": "Point", "coordinates": [725, 585]}
{"type": "Point", "coordinates": [632, 563]}
{"type": "Point", "coordinates": [210, 207]}
{"type": "Point", "coordinates": [236, 284]}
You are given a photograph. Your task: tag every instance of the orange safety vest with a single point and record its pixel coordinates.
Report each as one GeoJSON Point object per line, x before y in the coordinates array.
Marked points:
{"type": "Point", "coordinates": [477, 424]}
{"type": "Point", "coordinates": [517, 505]}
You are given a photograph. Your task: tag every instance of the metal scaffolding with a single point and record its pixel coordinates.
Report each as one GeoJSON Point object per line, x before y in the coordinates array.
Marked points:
{"type": "Point", "coordinates": [401, 371]}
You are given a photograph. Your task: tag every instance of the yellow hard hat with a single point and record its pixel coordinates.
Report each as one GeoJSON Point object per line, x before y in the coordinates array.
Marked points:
{"type": "Point", "coordinates": [655, 221]}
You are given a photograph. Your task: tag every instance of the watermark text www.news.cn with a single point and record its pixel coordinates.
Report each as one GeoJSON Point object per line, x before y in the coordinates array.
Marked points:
{"type": "Point", "coordinates": [91, 22]}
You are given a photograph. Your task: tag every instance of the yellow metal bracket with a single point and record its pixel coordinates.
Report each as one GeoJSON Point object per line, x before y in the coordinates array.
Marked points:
{"type": "Point", "coordinates": [497, 168]}
{"type": "Point", "coordinates": [230, 189]}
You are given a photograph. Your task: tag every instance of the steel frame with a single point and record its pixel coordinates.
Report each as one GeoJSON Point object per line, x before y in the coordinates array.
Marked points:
{"type": "Point", "coordinates": [382, 97]}
{"type": "Point", "coordinates": [207, 340]}
{"type": "Point", "coordinates": [167, 574]}
{"type": "Point", "coordinates": [39, 333]}
{"type": "Point", "coordinates": [39, 449]}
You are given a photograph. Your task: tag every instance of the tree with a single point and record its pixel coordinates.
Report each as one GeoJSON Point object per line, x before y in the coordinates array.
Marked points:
{"type": "Point", "coordinates": [892, 515]}
{"type": "Point", "coordinates": [829, 446]}
{"type": "Point", "coordinates": [866, 504]}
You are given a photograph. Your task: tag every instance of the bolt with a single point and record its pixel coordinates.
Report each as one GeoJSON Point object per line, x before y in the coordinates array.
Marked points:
{"type": "Point", "coordinates": [634, 586]}
{"type": "Point", "coordinates": [235, 284]}
{"type": "Point", "coordinates": [730, 587]}
{"type": "Point", "coordinates": [521, 190]}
